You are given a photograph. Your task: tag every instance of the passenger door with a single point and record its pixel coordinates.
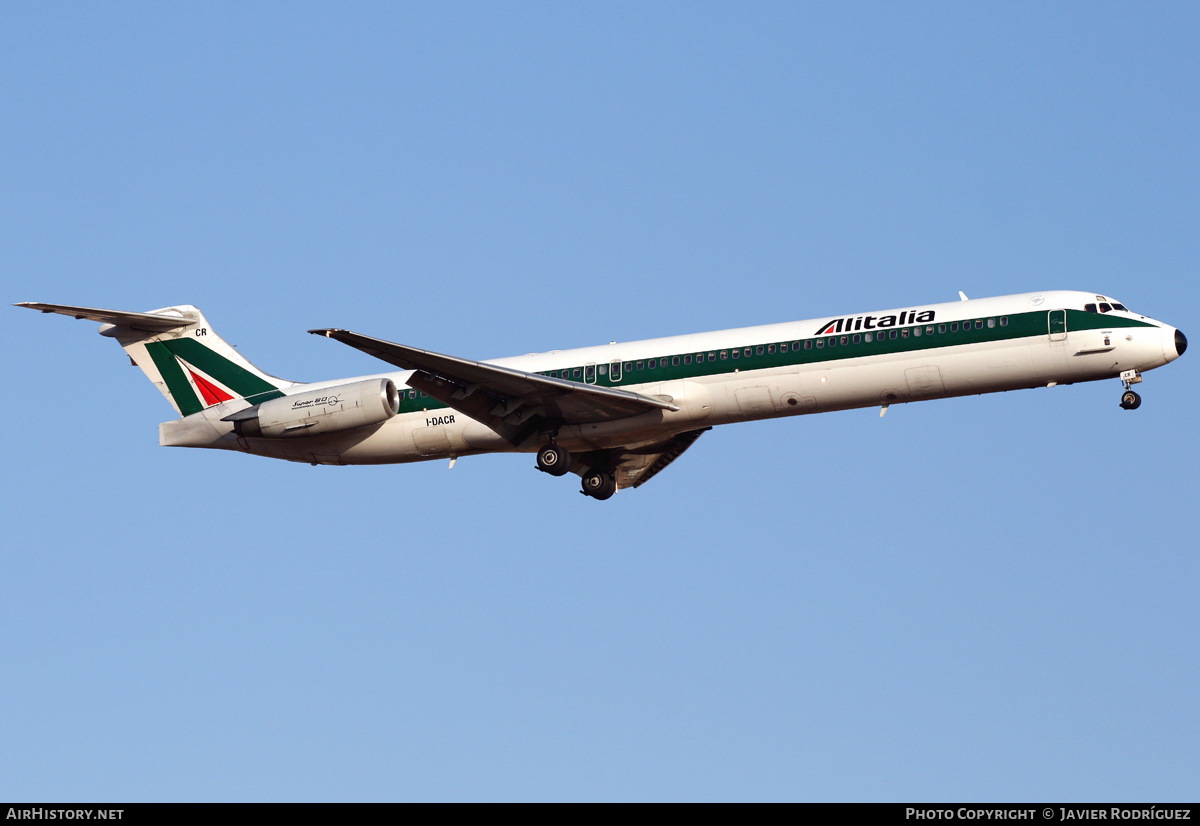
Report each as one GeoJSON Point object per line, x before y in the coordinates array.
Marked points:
{"type": "Point", "coordinates": [1056, 322]}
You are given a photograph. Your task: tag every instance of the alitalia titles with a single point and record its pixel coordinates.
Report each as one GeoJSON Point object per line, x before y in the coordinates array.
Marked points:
{"type": "Point", "coordinates": [872, 322]}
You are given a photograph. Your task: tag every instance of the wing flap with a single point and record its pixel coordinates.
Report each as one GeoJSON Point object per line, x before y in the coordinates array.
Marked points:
{"type": "Point", "coordinates": [633, 467]}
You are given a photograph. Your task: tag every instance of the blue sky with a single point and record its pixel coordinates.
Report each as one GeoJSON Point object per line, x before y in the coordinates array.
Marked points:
{"type": "Point", "coordinates": [988, 598]}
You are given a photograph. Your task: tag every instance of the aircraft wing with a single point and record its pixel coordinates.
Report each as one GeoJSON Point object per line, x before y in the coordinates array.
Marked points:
{"type": "Point", "coordinates": [512, 402]}
{"type": "Point", "coordinates": [634, 467]}
{"type": "Point", "coordinates": [138, 321]}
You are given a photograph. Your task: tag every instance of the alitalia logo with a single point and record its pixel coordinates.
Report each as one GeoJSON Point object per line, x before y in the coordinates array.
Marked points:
{"type": "Point", "coordinates": [198, 378]}
{"type": "Point", "coordinates": [871, 322]}
{"type": "Point", "coordinates": [210, 390]}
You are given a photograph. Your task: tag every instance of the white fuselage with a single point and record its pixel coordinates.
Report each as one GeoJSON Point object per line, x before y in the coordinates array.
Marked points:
{"type": "Point", "coordinates": [866, 360]}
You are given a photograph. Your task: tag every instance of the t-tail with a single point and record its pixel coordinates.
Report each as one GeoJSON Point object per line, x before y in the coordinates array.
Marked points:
{"type": "Point", "coordinates": [177, 350]}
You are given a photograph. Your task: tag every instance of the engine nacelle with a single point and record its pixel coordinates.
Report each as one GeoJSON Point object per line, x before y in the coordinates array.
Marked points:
{"type": "Point", "coordinates": [329, 410]}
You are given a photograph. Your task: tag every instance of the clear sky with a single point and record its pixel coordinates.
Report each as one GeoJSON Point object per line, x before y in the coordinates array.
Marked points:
{"type": "Point", "coordinates": [989, 598]}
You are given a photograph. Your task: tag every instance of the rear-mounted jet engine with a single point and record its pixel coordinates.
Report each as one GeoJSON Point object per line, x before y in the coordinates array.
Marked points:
{"type": "Point", "coordinates": [329, 410]}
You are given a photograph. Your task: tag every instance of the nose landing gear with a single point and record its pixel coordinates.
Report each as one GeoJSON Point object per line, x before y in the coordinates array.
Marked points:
{"type": "Point", "coordinates": [1129, 399]}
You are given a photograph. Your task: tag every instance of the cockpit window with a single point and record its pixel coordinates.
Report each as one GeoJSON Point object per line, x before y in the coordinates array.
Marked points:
{"type": "Point", "coordinates": [1105, 307]}
{"type": "Point", "coordinates": [1091, 308]}
{"type": "Point", "coordinates": [1120, 307]}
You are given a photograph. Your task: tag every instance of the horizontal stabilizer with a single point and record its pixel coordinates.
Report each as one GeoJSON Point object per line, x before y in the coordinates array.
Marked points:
{"type": "Point", "coordinates": [177, 349]}
{"type": "Point", "coordinates": [136, 321]}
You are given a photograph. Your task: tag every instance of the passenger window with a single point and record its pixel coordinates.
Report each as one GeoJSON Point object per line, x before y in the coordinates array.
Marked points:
{"type": "Point", "coordinates": [954, 326]}
{"type": "Point", "coordinates": [412, 394]}
{"type": "Point", "coordinates": [892, 334]}
{"type": "Point", "coordinates": [795, 346]}
{"type": "Point", "coordinates": [857, 338]}
{"type": "Point", "coordinates": [820, 343]}
{"type": "Point", "coordinates": [1003, 321]}
{"type": "Point", "coordinates": [979, 324]}
{"type": "Point", "coordinates": [941, 328]}
{"type": "Point", "coordinates": [602, 369]}
{"type": "Point", "coordinates": [867, 337]}
{"type": "Point", "coordinates": [833, 341]}
{"type": "Point", "coordinates": [808, 344]}
{"type": "Point", "coordinates": [724, 355]}
{"type": "Point", "coordinates": [747, 352]}
{"type": "Point", "coordinates": [577, 372]}
{"type": "Point", "coordinates": [991, 322]}
{"type": "Point", "coordinates": [674, 361]}
{"type": "Point", "coordinates": [640, 364]}
{"type": "Point", "coordinates": [758, 351]}
{"type": "Point", "coordinates": [904, 333]}
{"type": "Point", "coordinates": [687, 359]}
{"type": "Point", "coordinates": [929, 330]}
{"type": "Point", "coordinates": [917, 331]}
{"type": "Point", "coordinates": [737, 354]}
{"type": "Point", "coordinates": [629, 366]}
{"type": "Point", "coordinates": [653, 363]}
{"type": "Point", "coordinates": [712, 356]}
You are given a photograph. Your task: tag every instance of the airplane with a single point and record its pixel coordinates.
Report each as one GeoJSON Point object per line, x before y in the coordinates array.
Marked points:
{"type": "Point", "coordinates": [618, 414]}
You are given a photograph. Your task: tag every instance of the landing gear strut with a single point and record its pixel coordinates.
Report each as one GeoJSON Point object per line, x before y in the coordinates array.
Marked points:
{"type": "Point", "coordinates": [554, 460]}
{"type": "Point", "coordinates": [1129, 399]}
{"type": "Point", "coordinates": [599, 485]}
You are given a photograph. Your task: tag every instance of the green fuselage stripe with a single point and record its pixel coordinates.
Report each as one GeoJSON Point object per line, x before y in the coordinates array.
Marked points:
{"type": "Point", "coordinates": [838, 347]}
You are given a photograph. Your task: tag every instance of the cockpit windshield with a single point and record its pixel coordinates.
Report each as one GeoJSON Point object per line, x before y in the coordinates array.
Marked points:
{"type": "Point", "coordinates": [1104, 305]}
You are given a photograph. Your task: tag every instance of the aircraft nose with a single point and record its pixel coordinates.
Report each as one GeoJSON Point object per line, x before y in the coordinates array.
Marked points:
{"type": "Point", "coordinates": [1180, 342]}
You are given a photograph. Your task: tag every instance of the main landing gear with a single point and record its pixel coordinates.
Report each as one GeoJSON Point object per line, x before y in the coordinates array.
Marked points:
{"type": "Point", "coordinates": [597, 484]}
{"type": "Point", "coordinates": [1129, 399]}
{"type": "Point", "coordinates": [554, 460]}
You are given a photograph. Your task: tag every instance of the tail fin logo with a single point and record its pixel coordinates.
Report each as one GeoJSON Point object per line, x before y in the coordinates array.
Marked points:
{"type": "Point", "coordinates": [197, 377]}
{"type": "Point", "coordinates": [210, 391]}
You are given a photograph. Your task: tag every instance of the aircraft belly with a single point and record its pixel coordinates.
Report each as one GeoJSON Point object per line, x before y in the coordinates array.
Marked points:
{"type": "Point", "coordinates": [431, 441]}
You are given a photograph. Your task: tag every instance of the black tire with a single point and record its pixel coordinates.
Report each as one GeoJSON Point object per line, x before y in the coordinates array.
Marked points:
{"type": "Point", "coordinates": [599, 485]}
{"type": "Point", "coordinates": [554, 460]}
{"type": "Point", "coordinates": [1130, 400]}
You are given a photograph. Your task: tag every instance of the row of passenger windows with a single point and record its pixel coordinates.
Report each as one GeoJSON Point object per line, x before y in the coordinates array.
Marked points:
{"type": "Point", "coordinates": [772, 349]}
